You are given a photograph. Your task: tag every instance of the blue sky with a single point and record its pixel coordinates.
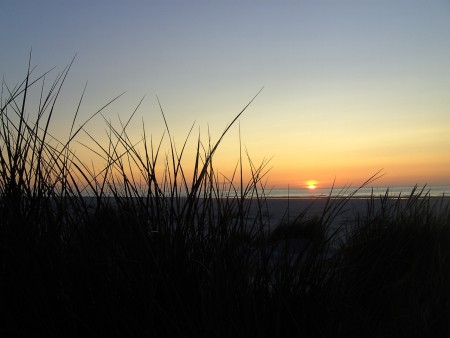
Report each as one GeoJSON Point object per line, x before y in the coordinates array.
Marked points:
{"type": "Point", "coordinates": [350, 87]}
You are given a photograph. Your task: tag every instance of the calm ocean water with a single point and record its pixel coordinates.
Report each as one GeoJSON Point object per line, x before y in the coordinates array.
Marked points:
{"type": "Point", "coordinates": [275, 193]}
{"type": "Point", "coordinates": [436, 190]}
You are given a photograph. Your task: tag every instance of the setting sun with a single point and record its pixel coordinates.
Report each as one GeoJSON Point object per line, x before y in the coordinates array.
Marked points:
{"type": "Point", "coordinates": [311, 184]}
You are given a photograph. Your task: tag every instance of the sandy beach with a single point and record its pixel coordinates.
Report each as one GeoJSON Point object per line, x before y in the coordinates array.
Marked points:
{"type": "Point", "coordinates": [281, 210]}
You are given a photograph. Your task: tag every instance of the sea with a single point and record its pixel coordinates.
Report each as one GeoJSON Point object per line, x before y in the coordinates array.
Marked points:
{"type": "Point", "coordinates": [364, 192]}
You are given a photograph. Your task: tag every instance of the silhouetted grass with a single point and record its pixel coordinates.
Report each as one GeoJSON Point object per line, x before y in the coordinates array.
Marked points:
{"type": "Point", "coordinates": [132, 250]}
{"type": "Point", "coordinates": [395, 267]}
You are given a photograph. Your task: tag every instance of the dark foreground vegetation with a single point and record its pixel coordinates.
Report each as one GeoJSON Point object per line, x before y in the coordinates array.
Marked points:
{"type": "Point", "coordinates": [146, 253]}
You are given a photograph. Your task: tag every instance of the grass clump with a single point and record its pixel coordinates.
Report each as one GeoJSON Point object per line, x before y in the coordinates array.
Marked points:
{"type": "Point", "coordinates": [131, 250]}
{"type": "Point", "coordinates": [396, 266]}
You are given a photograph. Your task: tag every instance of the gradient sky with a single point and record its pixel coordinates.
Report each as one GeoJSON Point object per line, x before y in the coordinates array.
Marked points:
{"type": "Point", "coordinates": [350, 87]}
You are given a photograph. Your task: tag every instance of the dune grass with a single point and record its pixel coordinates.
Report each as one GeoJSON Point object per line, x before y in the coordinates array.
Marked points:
{"type": "Point", "coordinates": [129, 250]}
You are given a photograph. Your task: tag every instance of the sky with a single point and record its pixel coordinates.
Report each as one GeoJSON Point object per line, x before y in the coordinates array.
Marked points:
{"type": "Point", "coordinates": [351, 87]}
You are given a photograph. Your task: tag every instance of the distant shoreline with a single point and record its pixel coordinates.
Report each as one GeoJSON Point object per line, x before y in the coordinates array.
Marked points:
{"type": "Point", "coordinates": [335, 197]}
{"type": "Point", "coordinates": [364, 192]}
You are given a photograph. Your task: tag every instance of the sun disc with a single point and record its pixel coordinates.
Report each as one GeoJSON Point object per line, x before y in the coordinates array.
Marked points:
{"type": "Point", "coordinates": [311, 184]}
